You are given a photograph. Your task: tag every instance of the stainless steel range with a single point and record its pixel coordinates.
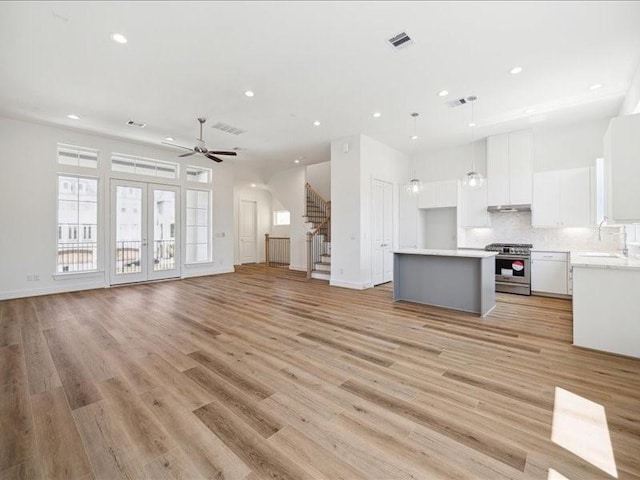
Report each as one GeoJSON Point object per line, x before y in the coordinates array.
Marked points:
{"type": "Point", "coordinates": [513, 267]}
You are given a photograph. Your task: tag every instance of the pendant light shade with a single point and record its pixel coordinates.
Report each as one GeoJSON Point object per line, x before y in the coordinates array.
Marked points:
{"type": "Point", "coordinates": [472, 180]}
{"type": "Point", "coordinates": [415, 186]}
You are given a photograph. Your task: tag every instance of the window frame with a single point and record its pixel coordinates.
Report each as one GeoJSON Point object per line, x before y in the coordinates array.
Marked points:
{"type": "Point", "coordinates": [209, 259]}
{"type": "Point", "coordinates": [275, 216]}
{"type": "Point", "coordinates": [75, 228]}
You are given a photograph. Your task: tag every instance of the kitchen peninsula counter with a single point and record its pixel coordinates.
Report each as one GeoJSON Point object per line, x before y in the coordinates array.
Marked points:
{"type": "Point", "coordinates": [459, 279]}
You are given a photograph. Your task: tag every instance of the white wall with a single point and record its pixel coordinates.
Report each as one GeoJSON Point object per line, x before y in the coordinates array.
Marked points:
{"type": "Point", "coordinates": [262, 198]}
{"type": "Point", "coordinates": [287, 188]}
{"type": "Point", "coordinates": [28, 186]}
{"type": "Point", "coordinates": [631, 103]}
{"type": "Point", "coordinates": [319, 177]}
{"type": "Point", "coordinates": [437, 228]}
{"type": "Point", "coordinates": [352, 174]}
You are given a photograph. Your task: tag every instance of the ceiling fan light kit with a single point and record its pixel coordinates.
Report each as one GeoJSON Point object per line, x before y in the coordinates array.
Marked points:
{"type": "Point", "coordinates": [200, 147]}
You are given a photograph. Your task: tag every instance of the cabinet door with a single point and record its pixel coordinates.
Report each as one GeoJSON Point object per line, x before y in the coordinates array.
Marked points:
{"type": "Point", "coordinates": [428, 196]}
{"type": "Point", "coordinates": [575, 197]}
{"type": "Point", "coordinates": [545, 208]}
{"type": "Point", "coordinates": [498, 169]}
{"type": "Point", "coordinates": [447, 193]}
{"type": "Point", "coordinates": [520, 168]}
{"type": "Point", "coordinates": [473, 207]}
{"type": "Point", "coordinates": [549, 277]}
{"type": "Point", "coordinates": [622, 151]}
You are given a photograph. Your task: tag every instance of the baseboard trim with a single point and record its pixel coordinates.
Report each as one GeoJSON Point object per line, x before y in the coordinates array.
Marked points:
{"type": "Point", "coordinates": [204, 273]}
{"type": "Point", "coordinates": [52, 290]}
{"type": "Point", "coordinates": [351, 285]}
{"type": "Point", "coordinates": [298, 268]}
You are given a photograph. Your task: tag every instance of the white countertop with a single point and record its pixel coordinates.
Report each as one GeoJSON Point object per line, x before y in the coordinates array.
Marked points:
{"type": "Point", "coordinates": [447, 253]}
{"type": "Point", "coordinates": [578, 259]}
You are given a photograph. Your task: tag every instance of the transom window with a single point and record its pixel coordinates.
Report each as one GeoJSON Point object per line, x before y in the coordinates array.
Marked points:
{"type": "Point", "coordinates": [143, 166]}
{"type": "Point", "coordinates": [77, 156]}
{"type": "Point", "coordinates": [198, 174]}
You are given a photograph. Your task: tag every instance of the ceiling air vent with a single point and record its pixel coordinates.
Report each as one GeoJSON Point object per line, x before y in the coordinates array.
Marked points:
{"type": "Point", "coordinates": [401, 40]}
{"type": "Point", "coordinates": [462, 101]}
{"type": "Point", "coordinates": [223, 127]}
{"type": "Point", "coordinates": [136, 124]}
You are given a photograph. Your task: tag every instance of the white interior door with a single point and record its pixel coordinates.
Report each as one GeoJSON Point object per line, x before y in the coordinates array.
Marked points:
{"type": "Point", "coordinates": [144, 232]}
{"type": "Point", "coordinates": [382, 225]}
{"type": "Point", "coordinates": [247, 234]}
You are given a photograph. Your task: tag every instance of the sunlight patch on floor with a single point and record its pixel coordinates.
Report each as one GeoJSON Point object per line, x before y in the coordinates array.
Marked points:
{"type": "Point", "coordinates": [554, 475]}
{"type": "Point", "coordinates": [580, 426]}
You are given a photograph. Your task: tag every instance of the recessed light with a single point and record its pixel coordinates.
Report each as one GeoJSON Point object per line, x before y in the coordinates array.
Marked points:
{"type": "Point", "coordinates": [73, 117]}
{"type": "Point", "coordinates": [529, 110]}
{"type": "Point", "coordinates": [443, 93]}
{"type": "Point", "coordinates": [472, 124]}
{"type": "Point", "coordinates": [249, 93]}
{"type": "Point", "coordinates": [253, 185]}
{"type": "Point", "coordinates": [118, 38]}
{"type": "Point", "coordinates": [413, 137]}
{"type": "Point", "coordinates": [377, 115]}
{"type": "Point", "coordinates": [515, 70]}
{"type": "Point", "coordinates": [296, 161]}
{"type": "Point", "coordinates": [169, 139]}
{"type": "Point", "coordinates": [595, 86]}
{"type": "Point", "coordinates": [317, 123]}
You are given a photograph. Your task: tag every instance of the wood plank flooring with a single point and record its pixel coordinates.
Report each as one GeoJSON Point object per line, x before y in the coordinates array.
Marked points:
{"type": "Point", "coordinates": [263, 374]}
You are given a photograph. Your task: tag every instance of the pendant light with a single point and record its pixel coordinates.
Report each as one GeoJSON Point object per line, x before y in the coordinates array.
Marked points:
{"type": "Point", "coordinates": [472, 180]}
{"type": "Point", "coordinates": [415, 186]}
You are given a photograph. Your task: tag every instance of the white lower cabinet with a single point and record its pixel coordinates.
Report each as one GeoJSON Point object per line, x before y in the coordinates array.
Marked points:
{"type": "Point", "coordinates": [550, 273]}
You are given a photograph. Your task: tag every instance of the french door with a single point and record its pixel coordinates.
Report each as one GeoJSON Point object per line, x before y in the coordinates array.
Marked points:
{"type": "Point", "coordinates": [145, 226]}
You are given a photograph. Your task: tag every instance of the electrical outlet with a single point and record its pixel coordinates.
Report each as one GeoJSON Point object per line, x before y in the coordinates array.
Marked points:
{"type": "Point", "coordinates": [36, 278]}
{"type": "Point", "coordinates": [29, 278]}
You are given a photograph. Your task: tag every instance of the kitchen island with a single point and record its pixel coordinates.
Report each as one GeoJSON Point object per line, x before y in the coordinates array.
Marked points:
{"type": "Point", "coordinates": [458, 279]}
{"type": "Point", "coordinates": [606, 303]}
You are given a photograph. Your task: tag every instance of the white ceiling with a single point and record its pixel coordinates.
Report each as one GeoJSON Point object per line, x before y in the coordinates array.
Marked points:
{"type": "Point", "coordinates": [313, 60]}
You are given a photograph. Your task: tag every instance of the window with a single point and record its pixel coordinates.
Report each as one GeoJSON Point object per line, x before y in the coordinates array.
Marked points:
{"type": "Point", "coordinates": [198, 174]}
{"type": "Point", "coordinates": [77, 212]}
{"type": "Point", "coordinates": [198, 226]}
{"type": "Point", "coordinates": [143, 166]}
{"type": "Point", "coordinates": [282, 217]}
{"type": "Point", "coordinates": [77, 156]}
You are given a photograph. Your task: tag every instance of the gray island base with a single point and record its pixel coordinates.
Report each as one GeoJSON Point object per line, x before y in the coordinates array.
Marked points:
{"type": "Point", "coordinates": [458, 279]}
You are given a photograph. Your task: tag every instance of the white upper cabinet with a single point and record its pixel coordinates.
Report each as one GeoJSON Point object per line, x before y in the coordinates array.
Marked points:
{"type": "Point", "coordinates": [439, 194]}
{"type": "Point", "coordinates": [510, 168]}
{"type": "Point", "coordinates": [622, 168]}
{"type": "Point", "coordinates": [473, 207]}
{"type": "Point", "coordinates": [563, 198]}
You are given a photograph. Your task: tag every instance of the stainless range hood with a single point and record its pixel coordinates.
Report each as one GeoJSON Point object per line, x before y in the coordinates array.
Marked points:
{"type": "Point", "coordinates": [508, 208]}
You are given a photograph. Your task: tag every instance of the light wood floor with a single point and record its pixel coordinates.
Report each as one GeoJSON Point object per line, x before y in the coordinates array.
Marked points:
{"type": "Point", "coordinates": [263, 374]}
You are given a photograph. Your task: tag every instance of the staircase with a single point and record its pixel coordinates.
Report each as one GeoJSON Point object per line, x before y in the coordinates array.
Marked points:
{"type": "Point", "coordinates": [318, 221]}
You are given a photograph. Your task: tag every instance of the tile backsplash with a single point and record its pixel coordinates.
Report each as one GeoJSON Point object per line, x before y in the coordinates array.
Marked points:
{"type": "Point", "coordinates": [516, 228]}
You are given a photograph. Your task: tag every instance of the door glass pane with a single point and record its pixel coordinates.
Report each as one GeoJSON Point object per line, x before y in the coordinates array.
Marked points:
{"type": "Point", "coordinates": [164, 226]}
{"type": "Point", "coordinates": [128, 230]}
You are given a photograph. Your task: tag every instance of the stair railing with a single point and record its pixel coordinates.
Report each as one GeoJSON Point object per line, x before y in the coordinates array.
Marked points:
{"type": "Point", "coordinates": [318, 213]}
{"type": "Point", "coordinates": [277, 251]}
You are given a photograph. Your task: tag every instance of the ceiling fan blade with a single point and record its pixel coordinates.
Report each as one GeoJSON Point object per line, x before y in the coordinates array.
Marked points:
{"type": "Point", "coordinates": [212, 157]}
{"type": "Point", "coordinates": [223, 153]}
{"type": "Point", "coordinates": [186, 154]}
{"type": "Point", "coordinates": [174, 145]}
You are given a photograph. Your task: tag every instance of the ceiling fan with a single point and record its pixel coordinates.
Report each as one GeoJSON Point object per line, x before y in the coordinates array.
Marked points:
{"type": "Point", "coordinates": [200, 148]}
